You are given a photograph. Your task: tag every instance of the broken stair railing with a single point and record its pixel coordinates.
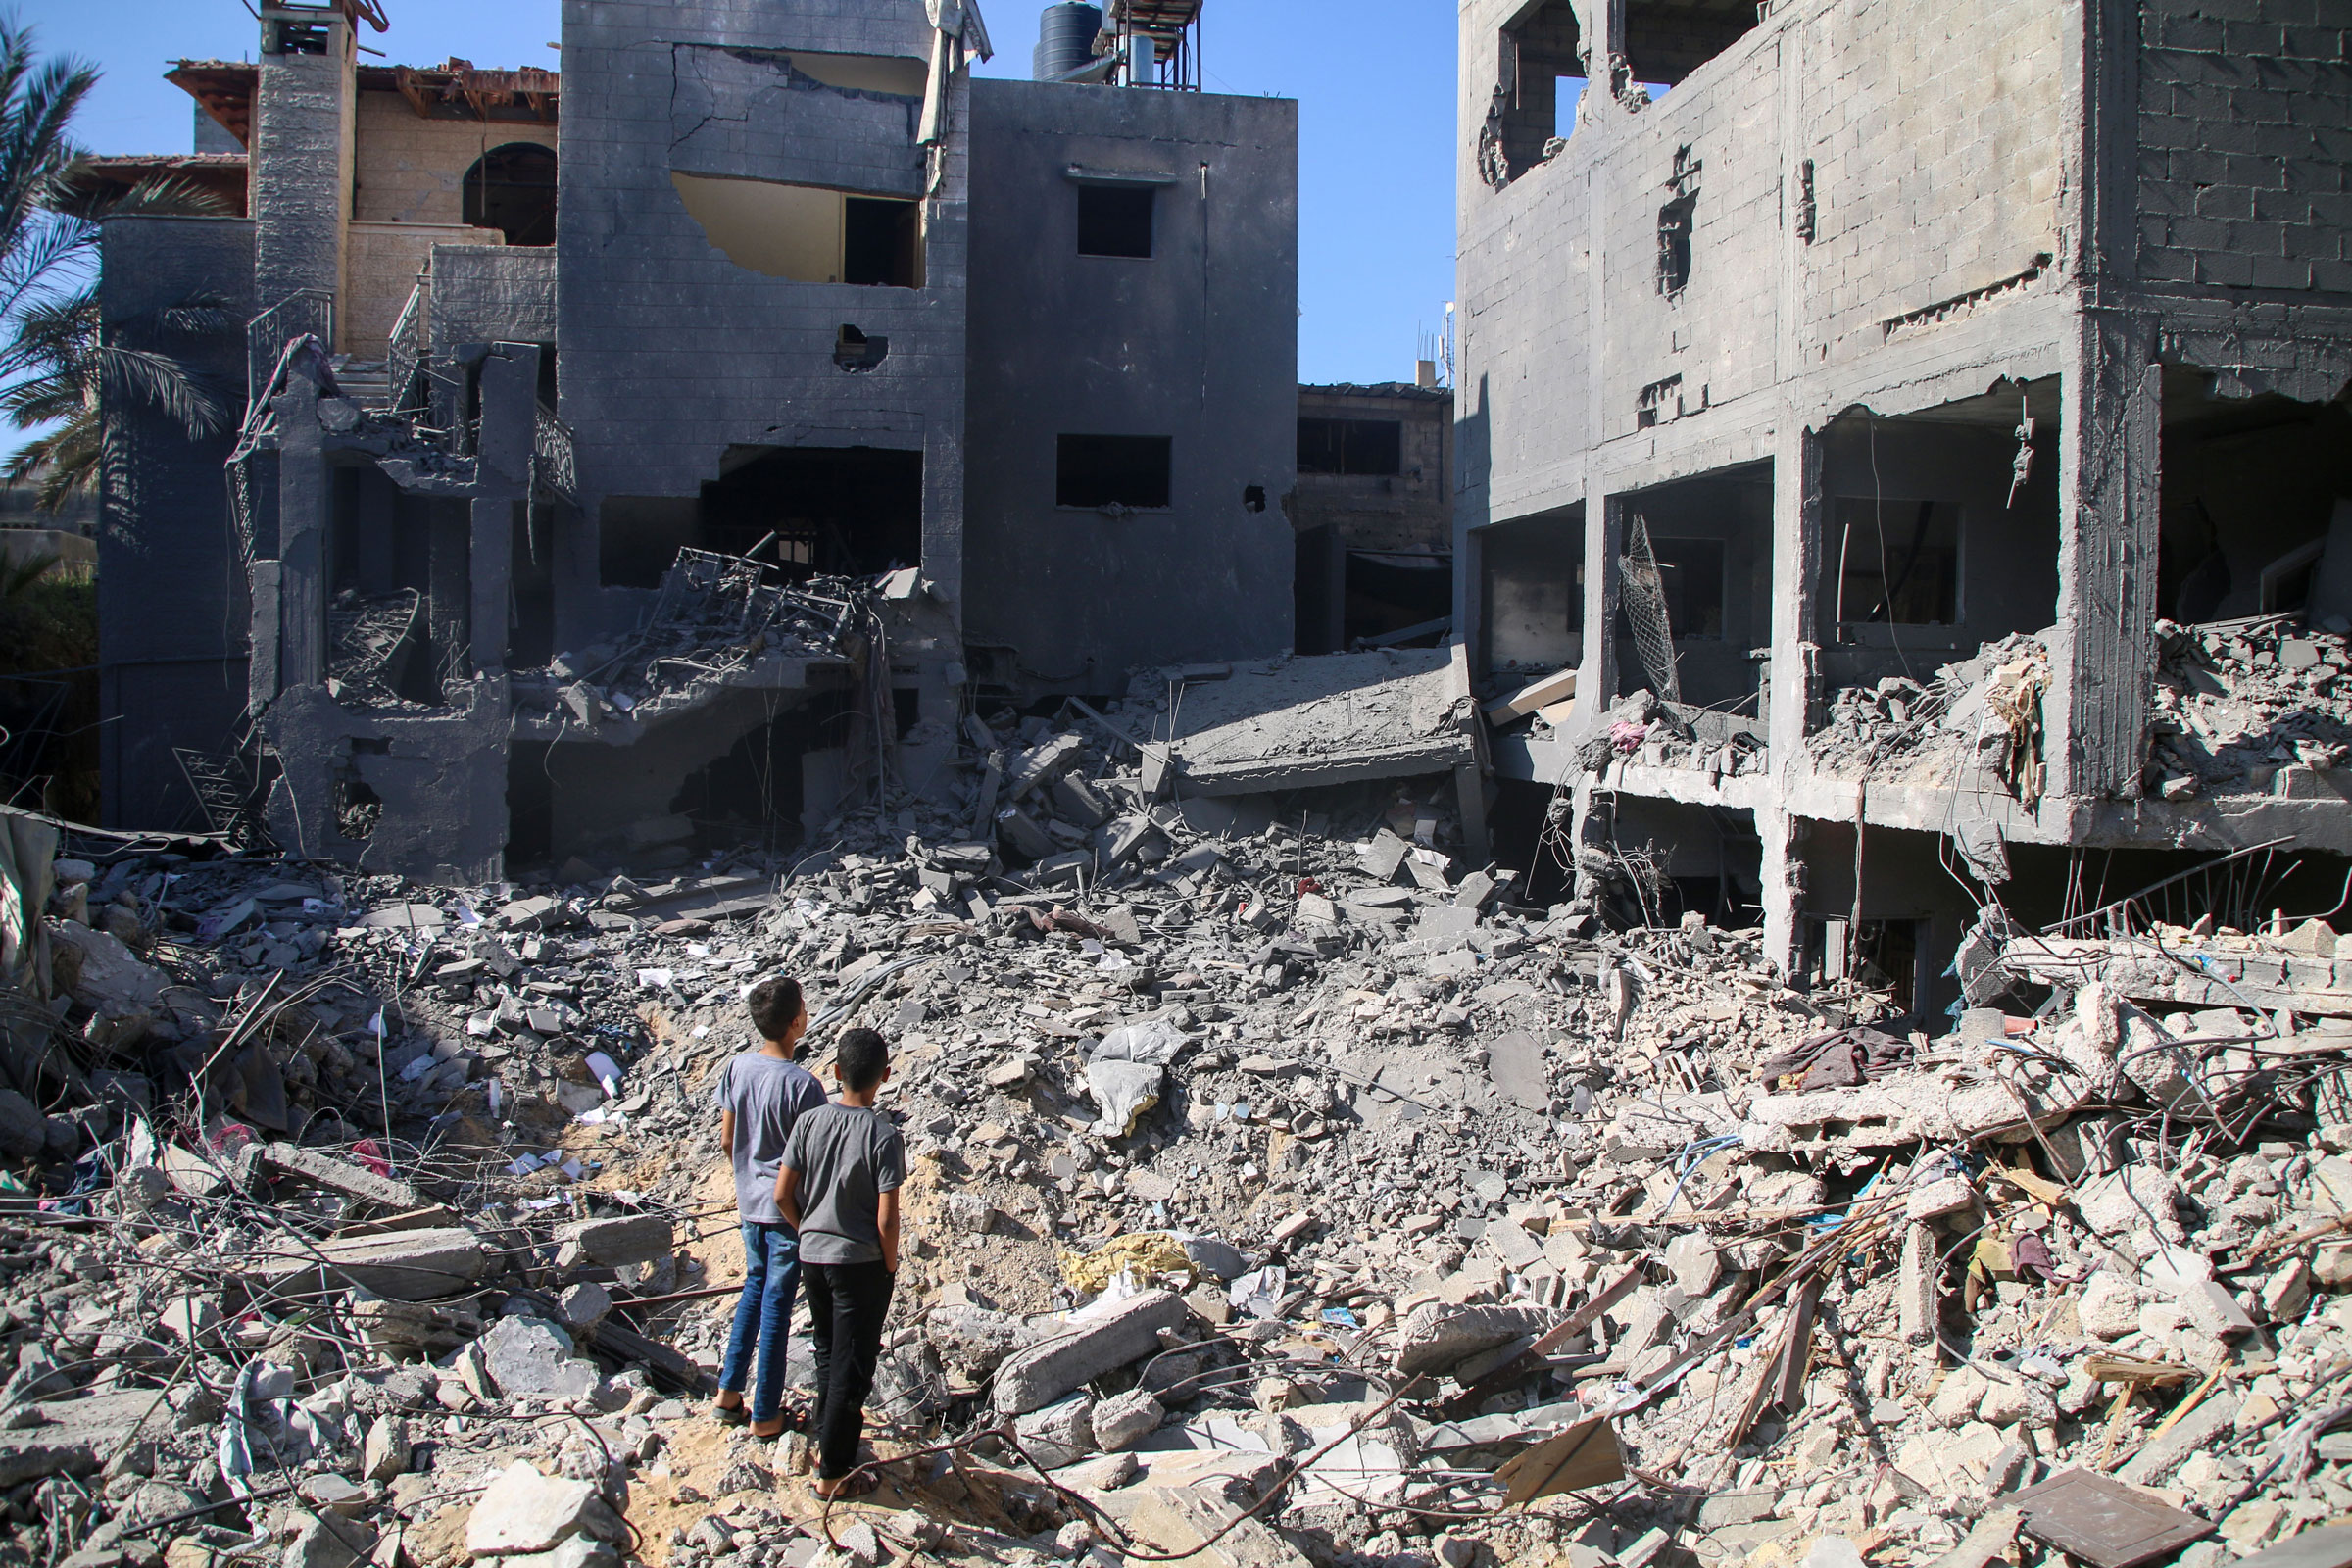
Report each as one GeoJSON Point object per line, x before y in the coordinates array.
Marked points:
{"type": "Point", "coordinates": [305, 313]}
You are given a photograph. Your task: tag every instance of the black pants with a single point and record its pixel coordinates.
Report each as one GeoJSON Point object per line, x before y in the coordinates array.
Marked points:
{"type": "Point", "coordinates": [848, 1303]}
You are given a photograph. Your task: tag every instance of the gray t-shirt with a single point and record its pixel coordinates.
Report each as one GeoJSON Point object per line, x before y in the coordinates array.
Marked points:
{"type": "Point", "coordinates": [769, 1095]}
{"type": "Point", "coordinates": [847, 1158]}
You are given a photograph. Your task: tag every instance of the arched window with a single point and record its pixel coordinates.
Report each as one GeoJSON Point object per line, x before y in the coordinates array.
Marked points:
{"type": "Point", "coordinates": [513, 189]}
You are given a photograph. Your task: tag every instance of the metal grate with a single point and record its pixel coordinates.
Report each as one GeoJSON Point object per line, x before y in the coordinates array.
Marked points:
{"type": "Point", "coordinates": [1644, 597]}
{"type": "Point", "coordinates": [225, 792]}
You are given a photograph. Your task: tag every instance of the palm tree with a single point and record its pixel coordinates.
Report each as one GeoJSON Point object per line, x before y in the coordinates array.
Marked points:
{"type": "Point", "coordinates": [59, 366]}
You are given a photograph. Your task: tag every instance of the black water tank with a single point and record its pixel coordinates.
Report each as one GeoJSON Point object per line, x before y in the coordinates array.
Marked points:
{"type": "Point", "coordinates": [1065, 39]}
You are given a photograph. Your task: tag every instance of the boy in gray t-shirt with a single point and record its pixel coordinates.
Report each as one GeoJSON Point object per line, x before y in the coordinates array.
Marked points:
{"type": "Point", "coordinates": [762, 1094]}
{"type": "Point", "coordinates": [837, 1184]}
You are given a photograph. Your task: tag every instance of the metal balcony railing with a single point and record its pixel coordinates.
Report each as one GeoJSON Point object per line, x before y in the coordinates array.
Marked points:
{"type": "Point", "coordinates": [553, 472]}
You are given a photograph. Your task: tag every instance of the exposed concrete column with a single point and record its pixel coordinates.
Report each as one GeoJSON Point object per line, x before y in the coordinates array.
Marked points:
{"type": "Point", "coordinates": [449, 587]}
{"type": "Point", "coordinates": [493, 555]}
{"type": "Point", "coordinates": [509, 412]}
{"type": "Point", "coordinates": [297, 628]}
{"type": "Point", "coordinates": [1597, 671]}
{"type": "Point", "coordinates": [1784, 875]}
{"type": "Point", "coordinates": [302, 160]}
{"type": "Point", "coordinates": [2095, 718]}
{"type": "Point", "coordinates": [1796, 525]}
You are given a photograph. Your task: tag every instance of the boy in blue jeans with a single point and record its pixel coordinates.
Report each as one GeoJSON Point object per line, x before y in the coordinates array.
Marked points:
{"type": "Point", "coordinates": [761, 1094]}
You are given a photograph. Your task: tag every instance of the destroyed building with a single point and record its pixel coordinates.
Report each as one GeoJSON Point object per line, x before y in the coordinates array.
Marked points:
{"type": "Point", "coordinates": [992, 381]}
{"type": "Point", "coordinates": [1900, 388]}
{"type": "Point", "coordinates": [1374, 511]}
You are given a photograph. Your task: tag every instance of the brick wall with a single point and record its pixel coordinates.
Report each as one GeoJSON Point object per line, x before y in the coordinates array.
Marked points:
{"type": "Point", "coordinates": [2245, 144]}
{"type": "Point", "coordinates": [413, 169]}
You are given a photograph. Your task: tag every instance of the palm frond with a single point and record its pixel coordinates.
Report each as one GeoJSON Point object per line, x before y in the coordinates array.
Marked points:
{"type": "Point", "coordinates": [34, 146]}
{"type": "Point", "coordinates": [160, 196]}
{"type": "Point", "coordinates": [30, 403]}
{"type": "Point", "coordinates": [65, 462]}
{"type": "Point", "coordinates": [43, 253]}
{"type": "Point", "coordinates": [146, 377]}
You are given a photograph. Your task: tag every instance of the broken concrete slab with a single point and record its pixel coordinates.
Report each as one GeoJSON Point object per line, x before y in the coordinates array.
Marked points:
{"type": "Point", "coordinates": [318, 1169]}
{"type": "Point", "coordinates": [1438, 1336]}
{"type": "Point", "coordinates": [618, 1241]}
{"type": "Point", "coordinates": [75, 1437]}
{"type": "Point", "coordinates": [402, 1265]}
{"type": "Point", "coordinates": [1331, 718]}
{"type": "Point", "coordinates": [524, 1511]}
{"type": "Point", "coordinates": [1091, 1345]}
{"type": "Point", "coordinates": [529, 1356]}
{"type": "Point", "coordinates": [1186, 1520]}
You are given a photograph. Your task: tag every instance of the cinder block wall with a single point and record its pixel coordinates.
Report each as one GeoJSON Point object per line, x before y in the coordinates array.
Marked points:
{"type": "Point", "coordinates": [2245, 133]}
{"type": "Point", "coordinates": [671, 352]}
{"type": "Point", "coordinates": [1937, 159]}
{"type": "Point", "coordinates": [1197, 342]}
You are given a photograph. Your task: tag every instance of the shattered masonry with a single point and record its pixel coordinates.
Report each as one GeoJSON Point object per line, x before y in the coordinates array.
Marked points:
{"type": "Point", "coordinates": [1849, 1069]}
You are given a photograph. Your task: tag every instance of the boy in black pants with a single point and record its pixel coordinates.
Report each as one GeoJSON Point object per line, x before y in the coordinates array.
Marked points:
{"type": "Point", "coordinates": [838, 1185]}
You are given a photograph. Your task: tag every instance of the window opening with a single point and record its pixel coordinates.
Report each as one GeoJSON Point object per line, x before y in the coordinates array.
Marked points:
{"type": "Point", "coordinates": [1540, 73]}
{"type": "Point", "coordinates": [1114, 220]}
{"type": "Point", "coordinates": [1665, 40]}
{"type": "Point", "coordinates": [881, 242]}
{"type": "Point", "coordinates": [513, 189]}
{"type": "Point", "coordinates": [1901, 562]}
{"type": "Point", "coordinates": [1351, 446]}
{"type": "Point", "coordinates": [1113, 470]}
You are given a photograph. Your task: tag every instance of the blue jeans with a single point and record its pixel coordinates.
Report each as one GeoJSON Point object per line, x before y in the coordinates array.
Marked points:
{"type": "Point", "coordinates": [771, 1273]}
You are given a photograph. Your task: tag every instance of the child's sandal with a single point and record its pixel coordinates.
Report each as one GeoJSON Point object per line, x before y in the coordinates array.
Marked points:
{"type": "Point", "coordinates": [731, 1416]}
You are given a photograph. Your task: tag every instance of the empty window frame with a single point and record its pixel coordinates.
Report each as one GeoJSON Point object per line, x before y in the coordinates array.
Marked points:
{"type": "Point", "coordinates": [1114, 220]}
{"type": "Point", "coordinates": [1540, 73]}
{"type": "Point", "coordinates": [1351, 446]}
{"type": "Point", "coordinates": [1898, 561]}
{"type": "Point", "coordinates": [1113, 470]}
{"type": "Point", "coordinates": [881, 242]}
{"type": "Point", "coordinates": [1691, 570]}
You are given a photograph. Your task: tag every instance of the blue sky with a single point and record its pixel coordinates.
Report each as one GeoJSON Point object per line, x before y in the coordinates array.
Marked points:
{"type": "Point", "coordinates": [1374, 81]}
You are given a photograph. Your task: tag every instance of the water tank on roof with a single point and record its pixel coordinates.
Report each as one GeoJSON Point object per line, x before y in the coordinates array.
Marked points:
{"type": "Point", "coordinates": [1065, 39]}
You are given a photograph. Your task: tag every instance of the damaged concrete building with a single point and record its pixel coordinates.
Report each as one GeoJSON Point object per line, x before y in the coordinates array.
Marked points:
{"type": "Point", "coordinates": [669, 446]}
{"type": "Point", "coordinates": [1902, 389]}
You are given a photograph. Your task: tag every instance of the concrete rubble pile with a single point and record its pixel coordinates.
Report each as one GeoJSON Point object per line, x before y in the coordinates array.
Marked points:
{"type": "Point", "coordinates": [1975, 720]}
{"type": "Point", "coordinates": [1640, 729]}
{"type": "Point", "coordinates": [1284, 1191]}
{"type": "Point", "coordinates": [715, 615]}
{"type": "Point", "coordinates": [2261, 706]}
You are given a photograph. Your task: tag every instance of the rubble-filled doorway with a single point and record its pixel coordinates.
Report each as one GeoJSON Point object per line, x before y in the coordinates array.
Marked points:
{"type": "Point", "coordinates": [2250, 491]}
{"type": "Point", "coordinates": [1939, 571]}
{"type": "Point", "coordinates": [1899, 935]}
